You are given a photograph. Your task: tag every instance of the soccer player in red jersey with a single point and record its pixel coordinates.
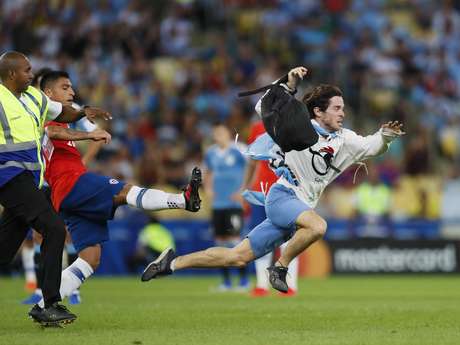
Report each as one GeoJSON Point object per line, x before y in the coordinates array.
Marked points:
{"type": "Point", "coordinates": [259, 177]}
{"type": "Point", "coordinates": [87, 200]}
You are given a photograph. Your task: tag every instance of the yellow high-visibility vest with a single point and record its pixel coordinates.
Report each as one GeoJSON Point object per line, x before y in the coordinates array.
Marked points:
{"type": "Point", "coordinates": [157, 237]}
{"type": "Point", "coordinates": [21, 129]}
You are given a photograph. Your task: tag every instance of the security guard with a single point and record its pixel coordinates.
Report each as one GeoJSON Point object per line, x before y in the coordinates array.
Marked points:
{"type": "Point", "coordinates": [373, 203]}
{"type": "Point", "coordinates": [23, 111]}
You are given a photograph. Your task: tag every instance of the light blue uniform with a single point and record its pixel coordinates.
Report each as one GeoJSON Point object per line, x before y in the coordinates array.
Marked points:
{"type": "Point", "coordinates": [282, 208]}
{"type": "Point", "coordinates": [227, 167]}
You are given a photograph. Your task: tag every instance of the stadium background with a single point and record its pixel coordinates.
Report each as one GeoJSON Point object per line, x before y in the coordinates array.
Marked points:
{"type": "Point", "coordinates": [168, 69]}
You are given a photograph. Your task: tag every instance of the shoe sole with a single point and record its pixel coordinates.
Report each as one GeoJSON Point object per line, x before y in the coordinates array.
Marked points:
{"type": "Point", "coordinates": [195, 183]}
{"type": "Point", "coordinates": [53, 324]}
{"type": "Point", "coordinates": [157, 260]}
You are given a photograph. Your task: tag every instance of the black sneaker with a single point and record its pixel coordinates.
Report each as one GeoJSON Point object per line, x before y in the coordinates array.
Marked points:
{"type": "Point", "coordinates": [191, 195]}
{"type": "Point", "coordinates": [277, 277]}
{"type": "Point", "coordinates": [159, 267]}
{"type": "Point", "coordinates": [54, 315]}
{"type": "Point", "coordinates": [35, 312]}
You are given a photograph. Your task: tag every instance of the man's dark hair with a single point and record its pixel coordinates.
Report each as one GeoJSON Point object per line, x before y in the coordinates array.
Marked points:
{"type": "Point", "coordinates": [320, 97]}
{"type": "Point", "coordinates": [39, 75]}
{"type": "Point", "coordinates": [50, 77]}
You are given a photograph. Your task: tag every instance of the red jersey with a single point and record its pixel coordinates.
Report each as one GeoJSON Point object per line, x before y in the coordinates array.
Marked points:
{"type": "Point", "coordinates": [263, 172]}
{"type": "Point", "coordinates": [63, 165]}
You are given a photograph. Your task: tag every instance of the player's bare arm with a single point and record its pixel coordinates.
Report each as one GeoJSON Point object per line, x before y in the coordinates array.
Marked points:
{"type": "Point", "coordinates": [92, 151]}
{"type": "Point", "coordinates": [61, 133]}
{"type": "Point", "coordinates": [70, 114]}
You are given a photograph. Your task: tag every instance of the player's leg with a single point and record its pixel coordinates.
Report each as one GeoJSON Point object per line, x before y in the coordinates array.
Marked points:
{"type": "Point", "coordinates": [213, 257]}
{"type": "Point", "coordinates": [293, 273]}
{"type": "Point", "coordinates": [87, 237]}
{"type": "Point", "coordinates": [310, 228]}
{"type": "Point", "coordinates": [27, 256]}
{"type": "Point", "coordinates": [261, 240]}
{"type": "Point", "coordinates": [69, 257]}
{"type": "Point", "coordinates": [285, 210]}
{"type": "Point", "coordinates": [81, 269]}
{"type": "Point", "coordinates": [155, 199]}
{"type": "Point", "coordinates": [53, 231]}
{"type": "Point", "coordinates": [221, 226]}
{"type": "Point", "coordinates": [37, 295]}
{"type": "Point", "coordinates": [261, 289]}
{"type": "Point", "coordinates": [72, 255]}
{"type": "Point", "coordinates": [222, 241]}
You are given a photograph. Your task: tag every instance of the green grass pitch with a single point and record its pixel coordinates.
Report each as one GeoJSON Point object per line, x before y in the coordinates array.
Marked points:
{"type": "Point", "coordinates": [340, 310]}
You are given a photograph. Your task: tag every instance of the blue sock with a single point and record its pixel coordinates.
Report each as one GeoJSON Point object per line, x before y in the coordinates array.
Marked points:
{"type": "Point", "coordinates": [243, 277]}
{"type": "Point", "coordinates": [226, 275]}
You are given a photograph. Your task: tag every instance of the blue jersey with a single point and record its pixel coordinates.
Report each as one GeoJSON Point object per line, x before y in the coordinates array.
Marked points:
{"type": "Point", "coordinates": [227, 168]}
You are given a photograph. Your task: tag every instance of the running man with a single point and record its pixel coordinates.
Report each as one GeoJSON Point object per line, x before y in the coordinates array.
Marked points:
{"type": "Point", "coordinates": [290, 207]}
{"type": "Point", "coordinates": [86, 200]}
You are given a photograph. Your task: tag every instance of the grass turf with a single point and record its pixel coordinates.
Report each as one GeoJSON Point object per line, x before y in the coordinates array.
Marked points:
{"type": "Point", "coordinates": [341, 310]}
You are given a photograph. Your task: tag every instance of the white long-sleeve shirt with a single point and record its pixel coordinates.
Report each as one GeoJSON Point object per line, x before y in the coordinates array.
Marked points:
{"type": "Point", "coordinates": [311, 171]}
{"type": "Point", "coordinates": [347, 148]}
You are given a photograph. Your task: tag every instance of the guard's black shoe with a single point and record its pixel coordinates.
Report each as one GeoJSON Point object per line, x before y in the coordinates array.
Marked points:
{"type": "Point", "coordinates": [277, 277]}
{"type": "Point", "coordinates": [35, 312]}
{"type": "Point", "coordinates": [54, 315]}
{"type": "Point", "coordinates": [160, 267]}
{"type": "Point", "coordinates": [191, 195]}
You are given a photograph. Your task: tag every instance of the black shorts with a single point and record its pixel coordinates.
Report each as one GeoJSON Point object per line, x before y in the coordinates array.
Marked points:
{"type": "Point", "coordinates": [227, 222]}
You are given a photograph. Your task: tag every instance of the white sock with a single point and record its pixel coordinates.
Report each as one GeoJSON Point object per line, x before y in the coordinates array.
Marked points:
{"type": "Point", "coordinates": [261, 270]}
{"type": "Point", "coordinates": [172, 265]}
{"type": "Point", "coordinates": [27, 255]}
{"type": "Point", "coordinates": [72, 277]}
{"type": "Point", "coordinates": [154, 199]}
{"type": "Point", "coordinates": [293, 270]}
{"type": "Point", "coordinates": [65, 259]}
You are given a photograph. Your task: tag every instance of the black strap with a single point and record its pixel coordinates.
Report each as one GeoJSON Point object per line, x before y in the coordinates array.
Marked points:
{"type": "Point", "coordinates": [252, 92]}
{"type": "Point", "coordinates": [327, 160]}
{"type": "Point", "coordinates": [282, 80]}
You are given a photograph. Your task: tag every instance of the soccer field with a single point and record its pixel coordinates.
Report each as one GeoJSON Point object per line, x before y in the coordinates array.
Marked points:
{"type": "Point", "coordinates": [342, 310]}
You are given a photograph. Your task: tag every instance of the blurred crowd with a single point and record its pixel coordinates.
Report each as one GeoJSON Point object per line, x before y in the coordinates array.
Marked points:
{"type": "Point", "coordinates": [167, 70]}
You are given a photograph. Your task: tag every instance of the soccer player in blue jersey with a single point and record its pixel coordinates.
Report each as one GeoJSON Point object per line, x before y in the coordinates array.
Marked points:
{"type": "Point", "coordinates": [224, 173]}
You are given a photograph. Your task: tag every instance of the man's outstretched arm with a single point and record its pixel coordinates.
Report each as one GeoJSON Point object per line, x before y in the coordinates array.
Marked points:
{"type": "Point", "coordinates": [61, 133]}
{"type": "Point", "coordinates": [70, 114]}
{"type": "Point", "coordinates": [373, 145]}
